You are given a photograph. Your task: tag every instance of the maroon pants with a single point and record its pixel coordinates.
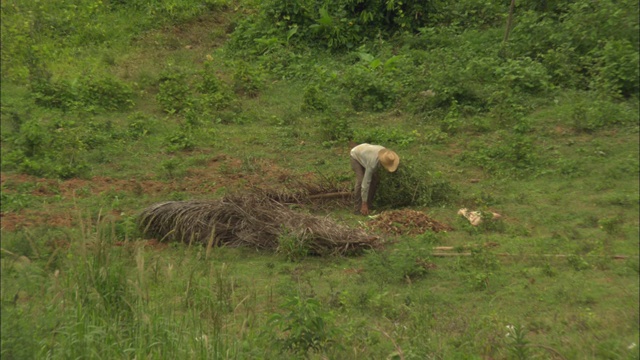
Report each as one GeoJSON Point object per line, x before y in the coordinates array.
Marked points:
{"type": "Point", "coordinates": [357, 195]}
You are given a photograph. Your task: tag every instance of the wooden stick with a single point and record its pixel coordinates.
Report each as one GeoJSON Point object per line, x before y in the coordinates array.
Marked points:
{"type": "Point", "coordinates": [615, 257]}
{"type": "Point", "coordinates": [330, 195]}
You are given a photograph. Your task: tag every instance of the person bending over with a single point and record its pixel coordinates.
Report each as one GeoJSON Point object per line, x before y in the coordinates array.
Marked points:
{"type": "Point", "coordinates": [365, 159]}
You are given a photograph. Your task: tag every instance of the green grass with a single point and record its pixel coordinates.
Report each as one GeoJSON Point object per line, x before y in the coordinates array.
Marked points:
{"type": "Point", "coordinates": [179, 302]}
{"type": "Point", "coordinates": [561, 166]}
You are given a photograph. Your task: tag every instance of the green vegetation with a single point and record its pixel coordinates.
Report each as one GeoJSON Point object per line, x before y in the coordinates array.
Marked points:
{"type": "Point", "coordinates": [111, 106]}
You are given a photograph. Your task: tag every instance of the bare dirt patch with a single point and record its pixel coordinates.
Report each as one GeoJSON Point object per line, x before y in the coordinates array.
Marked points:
{"type": "Point", "coordinates": [29, 218]}
{"type": "Point", "coordinates": [220, 171]}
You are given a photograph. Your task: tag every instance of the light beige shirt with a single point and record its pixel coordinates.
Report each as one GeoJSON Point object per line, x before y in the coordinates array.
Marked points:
{"type": "Point", "coordinates": [367, 156]}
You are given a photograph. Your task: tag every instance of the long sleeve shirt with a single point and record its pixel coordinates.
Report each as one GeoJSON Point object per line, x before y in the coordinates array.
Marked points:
{"type": "Point", "coordinates": [367, 156]}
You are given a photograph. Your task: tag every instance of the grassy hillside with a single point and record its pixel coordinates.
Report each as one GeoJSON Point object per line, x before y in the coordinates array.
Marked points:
{"type": "Point", "coordinates": [109, 107]}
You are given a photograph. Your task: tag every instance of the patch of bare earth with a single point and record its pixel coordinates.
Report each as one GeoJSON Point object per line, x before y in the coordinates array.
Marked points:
{"type": "Point", "coordinates": [220, 171]}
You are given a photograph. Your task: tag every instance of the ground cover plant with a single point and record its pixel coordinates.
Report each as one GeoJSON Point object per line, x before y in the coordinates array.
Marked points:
{"type": "Point", "coordinates": [214, 108]}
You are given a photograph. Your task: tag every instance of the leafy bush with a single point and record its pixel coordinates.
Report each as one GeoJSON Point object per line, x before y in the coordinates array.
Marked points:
{"type": "Point", "coordinates": [434, 80]}
{"type": "Point", "coordinates": [523, 75]}
{"type": "Point", "coordinates": [10, 202]}
{"type": "Point", "coordinates": [33, 138]}
{"type": "Point", "coordinates": [139, 125]}
{"type": "Point", "coordinates": [470, 13]}
{"type": "Point", "coordinates": [413, 185]}
{"type": "Point", "coordinates": [174, 91]}
{"type": "Point", "coordinates": [247, 80]}
{"type": "Point", "coordinates": [335, 128]}
{"type": "Point", "coordinates": [379, 135]}
{"type": "Point", "coordinates": [89, 93]}
{"type": "Point", "coordinates": [56, 94]}
{"type": "Point", "coordinates": [314, 98]}
{"type": "Point", "coordinates": [512, 154]}
{"type": "Point", "coordinates": [293, 248]}
{"type": "Point", "coordinates": [582, 40]}
{"type": "Point", "coordinates": [214, 93]}
{"type": "Point", "coordinates": [41, 151]}
{"type": "Point", "coordinates": [479, 268]}
{"type": "Point", "coordinates": [180, 141]}
{"type": "Point", "coordinates": [335, 24]}
{"type": "Point", "coordinates": [105, 92]}
{"type": "Point", "coordinates": [369, 89]}
{"type": "Point", "coordinates": [590, 113]}
{"type": "Point", "coordinates": [617, 70]}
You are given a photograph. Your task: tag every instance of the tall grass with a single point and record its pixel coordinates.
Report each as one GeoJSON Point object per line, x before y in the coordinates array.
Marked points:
{"type": "Point", "coordinates": [113, 299]}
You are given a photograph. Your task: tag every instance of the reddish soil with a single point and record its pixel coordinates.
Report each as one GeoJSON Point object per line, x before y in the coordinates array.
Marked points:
{"type": "Point", "coordinates": [221, 171]}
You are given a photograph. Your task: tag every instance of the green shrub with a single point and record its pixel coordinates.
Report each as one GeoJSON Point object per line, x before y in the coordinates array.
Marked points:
{"type": "Point", "coordinates": [41, 151]}
{"type": "Point", "coordinates": [589, 114]}
{"type": "Point", "coordinates": [294, 248]}
{"type": "Point", "coordinates": [379, 135]}
{"type": "Point", "coordinates": [336, 24]}
{"type": "Point", "coordinates": [413, 185]}
{"type": "Point", "coordinates": [55, 94]}
{"type": "Point", "coordinates": [523, 75]}
{"type": "Point", "coordinates": [510, 154]}
{"type": "Point", "coordinates": [369, 89]}
{"type": "Point", "coordinates": [214, 94]}
{"type": "Point", "coordinates": [174, 94]}
{"type": "Point", "coordinates": [433, 80]}
{"type": "Point", "coordinates": [333, 30]}
{"type": "Point", "coordinates": [12, 202]}
{"type": "Point", "coordinates": [33, 138]}
{"type": "Point", "coordinates": [451, 122]}
{"type": "Point", "coordinates": [335, 128]}
{"type": "Point", "coordinates": [478, 269]}
{"type": "Point", "coordinates": [470, 13]}
{"type": "Point", "coordinates": [564, 67]}
{"type": "Point", "coordinates": [180, 141]}
{"type": "Point", "coordinates": [105, 92]}
{"type": "Point", "coordinates": [617, 70]}
{"type": "Point", "coordinates": [139, 125]}
{"type": "Point", "coordinates": [247, 80]}
{"type": "Point", "coordinates": [89, 93]}
{"type": "Point", "coordinates": [579, 42]}
{"type": "Point", "coordinates": [315, 98]}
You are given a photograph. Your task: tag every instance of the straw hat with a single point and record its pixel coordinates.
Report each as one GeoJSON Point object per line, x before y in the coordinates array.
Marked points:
{"type": "Point", "coordinates": [389, 159]}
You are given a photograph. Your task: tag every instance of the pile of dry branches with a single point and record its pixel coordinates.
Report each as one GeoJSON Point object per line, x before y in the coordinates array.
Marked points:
{"type": "Point", "coordinates": [319, 193]}
{"type": "Point", "coordinates": [249, 220]}
{"type": "Point", "coordinates": [406, 222]}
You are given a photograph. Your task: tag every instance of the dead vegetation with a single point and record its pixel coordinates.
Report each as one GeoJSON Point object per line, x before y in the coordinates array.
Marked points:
{"type": "Point", "coordinates": [406, 222]}
{"type": "Point", "coordinates": [251, 220]}
{"type": "Point", "coordinates": [320, 193]}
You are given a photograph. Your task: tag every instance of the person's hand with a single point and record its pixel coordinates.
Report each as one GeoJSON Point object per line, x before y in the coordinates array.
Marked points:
{"type": "Point", "coordinates": [364, 209]}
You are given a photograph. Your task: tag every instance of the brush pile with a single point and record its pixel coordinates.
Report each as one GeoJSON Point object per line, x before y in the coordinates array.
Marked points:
{"type": "Point", "coordinates": [323, 193]}
{"type": "Point", "coordinates": [406, 222]}
{"type": "Point", "coordinates": [249, 220]}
